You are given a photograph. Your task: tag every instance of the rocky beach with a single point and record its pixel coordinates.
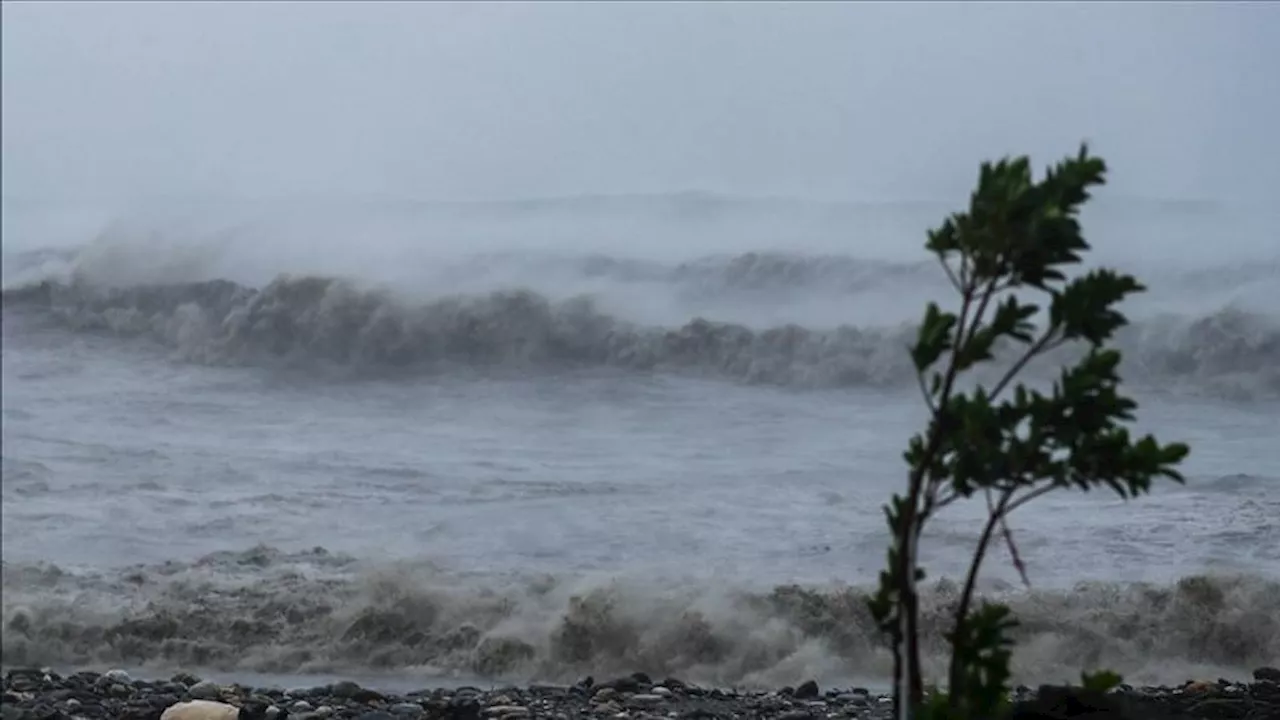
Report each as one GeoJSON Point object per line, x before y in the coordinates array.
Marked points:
{"type": "Point", "coordinates": [41, 694]}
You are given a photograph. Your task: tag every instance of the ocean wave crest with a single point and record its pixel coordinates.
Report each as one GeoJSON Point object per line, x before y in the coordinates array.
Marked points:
{"type": "Point", "coordinates": [302, 320]}
{"type": "Point", "coordinates": [265, 610]}
{"type": "Point", "coordinates": [310, 319]}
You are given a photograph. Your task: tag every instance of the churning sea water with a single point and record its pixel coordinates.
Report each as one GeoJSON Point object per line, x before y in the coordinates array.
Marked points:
{"type": "Point", "coordinates": [540, 440]}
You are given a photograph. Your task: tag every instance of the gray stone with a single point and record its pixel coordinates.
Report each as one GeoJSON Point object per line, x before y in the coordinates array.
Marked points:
{"type": "Point", "coordinates": [808, 690]}
{"type": "Point", "coordinates": [345, 689]}
{"type": "Point", "coordinates": [1268, 674]}
{"type": "Point", "coordinates": [206, 690]}
{"type": "Point", "coordinates": [623, 684]}
{"type": "Point", "coordinates": [406, 709]}
{"type": "Point", "coordinates": [775, 703]}
{"type": "Point", "coordinates": [644, 700]}
{"type": "Point", "coordinates": [609, 708]}
{"type": "Point", "coordinates": [118, 676]}
{"type": "Point", "coordinates": [507, 711]}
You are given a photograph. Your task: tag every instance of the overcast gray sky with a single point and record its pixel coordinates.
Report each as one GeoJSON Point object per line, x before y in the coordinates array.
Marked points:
{"type": "Point", "coordinates": [444, 101]}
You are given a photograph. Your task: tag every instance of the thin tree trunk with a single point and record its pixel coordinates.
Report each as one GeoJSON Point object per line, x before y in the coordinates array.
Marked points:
{"type": "Point", "coordinates": [908, 686]}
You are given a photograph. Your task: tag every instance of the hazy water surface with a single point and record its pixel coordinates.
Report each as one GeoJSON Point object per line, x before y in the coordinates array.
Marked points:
{"type": "Point", "coordinates": [505, 461]}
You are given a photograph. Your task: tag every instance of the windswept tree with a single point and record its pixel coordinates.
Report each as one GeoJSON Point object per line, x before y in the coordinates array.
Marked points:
{"type": "Point", "coordinates": [1008, 443]}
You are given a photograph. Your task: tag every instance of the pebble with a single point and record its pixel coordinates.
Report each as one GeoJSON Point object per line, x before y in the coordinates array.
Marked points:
{"type": "Point", "coordinates": [200, 710]}
{"type": "Point", "coordinates": [506, 711]}
{"type": "Point", "coordinates": [120, 690]}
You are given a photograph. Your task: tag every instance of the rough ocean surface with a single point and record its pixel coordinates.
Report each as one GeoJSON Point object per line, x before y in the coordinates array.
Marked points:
{"type": "Point", "coordinates": [227, 454]}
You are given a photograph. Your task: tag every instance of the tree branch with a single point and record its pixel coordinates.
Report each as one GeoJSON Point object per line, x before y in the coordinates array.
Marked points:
{"type": "Point", "coordinates": [1038, 347]}
{"type": "Point", "coordinates": [951, 275]}
{"type": "Point", "coordinates": [987, 293]}
{"type": "Point", "coordinates": [924, 392]}
{"type": "Point", "coordinates": [1020, 566]}
{"type": "Point", "coordinates": [1042, 490]}
{"type": "Point", "coordinates": [971, 580]}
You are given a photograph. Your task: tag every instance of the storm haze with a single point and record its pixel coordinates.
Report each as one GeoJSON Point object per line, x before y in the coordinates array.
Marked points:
{"type": "Point", "coordinates": [435, 101]}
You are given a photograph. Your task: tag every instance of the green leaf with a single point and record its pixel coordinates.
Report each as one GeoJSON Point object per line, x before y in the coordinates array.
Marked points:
{"type": "Point", "coordinates": [933, 338]}
{"type": "Point", "coordinates": [1100, 681]}
{"type": "Point", "coordinates": [1084, 308]}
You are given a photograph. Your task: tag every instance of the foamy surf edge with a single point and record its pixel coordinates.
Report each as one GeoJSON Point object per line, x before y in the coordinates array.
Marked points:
{"type": "Point", "coordinates": [265, 610]}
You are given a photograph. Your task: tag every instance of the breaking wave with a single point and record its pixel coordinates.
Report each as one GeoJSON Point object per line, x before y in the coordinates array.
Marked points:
{"type": "Point", "coordinates": [265, 610]}
{"type": "Point", "coordinates": [301, 320]}
{"type": "Point", "coordinates": [735, 276]}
